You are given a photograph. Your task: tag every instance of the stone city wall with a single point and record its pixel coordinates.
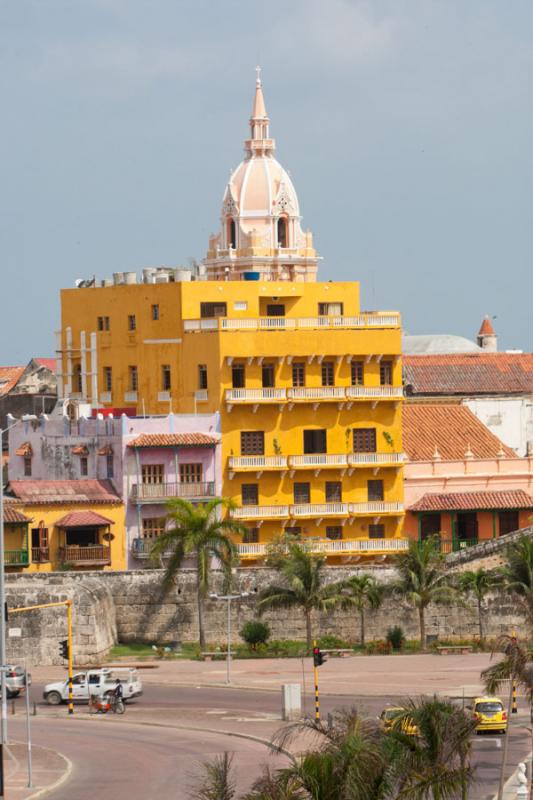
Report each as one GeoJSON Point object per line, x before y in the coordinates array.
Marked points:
{"type": "Point", "coordinates": [132, 607]}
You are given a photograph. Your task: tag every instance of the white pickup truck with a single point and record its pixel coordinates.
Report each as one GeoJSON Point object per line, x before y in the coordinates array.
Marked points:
{"type": "Point", "coordinates": [95, 682]}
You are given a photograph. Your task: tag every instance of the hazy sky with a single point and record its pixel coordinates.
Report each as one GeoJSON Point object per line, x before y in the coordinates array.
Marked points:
{"type": "Point", "coordinates": [407, 127]}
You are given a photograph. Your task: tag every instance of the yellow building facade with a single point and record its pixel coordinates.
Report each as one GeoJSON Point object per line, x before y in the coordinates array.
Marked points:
{"type": "Point", "coordinates": [308, 386]}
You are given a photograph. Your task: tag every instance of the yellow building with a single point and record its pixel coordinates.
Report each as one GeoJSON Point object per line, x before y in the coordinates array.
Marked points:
{"type": "Point", "coordinates": [308, 386]}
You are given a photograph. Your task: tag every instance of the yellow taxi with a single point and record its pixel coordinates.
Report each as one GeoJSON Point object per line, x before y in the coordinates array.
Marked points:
{"type": "Point", "coordinates": [389, 717]}
{"type": "Point", "coordinates": [490, 714]}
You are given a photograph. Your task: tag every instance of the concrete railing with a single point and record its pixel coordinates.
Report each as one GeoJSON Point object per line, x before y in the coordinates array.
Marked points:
{"type": "Point", "coordinates": [320, 510]}
{"type": "Point", "coordinates": [317, 510]}
{"type": "Point", "coordinates": [319, 460]}
{"type": "Point", "coordinates": [154, 492]}
{"type": "Point", "coordinates": [257, 462]}
{"type": "Point", "coordinates": [376, 507]}
{"type": "Point", "coordinates": [370, 459]}
{"type": "Point", "coordinates": [317, 393]}
{"type": "Point", "coordinates": [260, 512]}
{"type": "Point", "coordinates": [332, 547]}
{"type": "Point", "coordinates": [371, 392]}
{"type": "Point", "coordinates": [255, 395]}
{"type": "Point", "coordinates": [379, 320]}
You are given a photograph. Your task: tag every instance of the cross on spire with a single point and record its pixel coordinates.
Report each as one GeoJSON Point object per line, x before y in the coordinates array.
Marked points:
{"type": "Point", "coordinates": [258, 79]}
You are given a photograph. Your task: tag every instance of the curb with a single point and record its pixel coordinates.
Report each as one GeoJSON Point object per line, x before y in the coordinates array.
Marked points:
{"type": "Point", "coordinates": [60, 781]}
{"type": "Point", "coordinates": [528, 760]}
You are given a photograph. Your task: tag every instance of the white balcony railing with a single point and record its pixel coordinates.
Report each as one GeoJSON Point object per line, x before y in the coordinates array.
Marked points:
{"type": "Point", "coordinates": [319, 460]}
{"type": "Point", "coordinates": [333, 547]}
{"type": "Point", "coordinates": [371, 392]}
{"type": "Point", "coordinates": [260, 512]}
{"type": "Point", "coordinates": [377, 320]}
{"type": "Point", "coordinates": [317, 393]}
{"type": "Point", "coordinates": [257, 462]}
{"type": "Point", "coordinates": [320, 510]}
{"type": "Point", "coordinates": [376, 507]}
{"type": "Point", "coordinates": [255, 395]}
{"type": "Point", "coordinates": [358, 459]}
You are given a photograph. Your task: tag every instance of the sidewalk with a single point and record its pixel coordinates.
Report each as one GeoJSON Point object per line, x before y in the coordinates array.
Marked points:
{"type": "Point", "coordinates": [49, 769]}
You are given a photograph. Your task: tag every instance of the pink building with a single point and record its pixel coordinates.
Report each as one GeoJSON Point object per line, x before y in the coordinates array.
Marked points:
{"type": "Point", "coordinates": [461, 481]}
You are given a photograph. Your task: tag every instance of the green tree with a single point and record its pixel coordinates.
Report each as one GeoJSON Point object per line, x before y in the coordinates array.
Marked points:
{"type": "Point", "coordinates": [478, 582]}
{"type": "Point", "coordinates": [303, 586]}
{"type": "Point", "coordinates": [197, 530]}
{"type": "Point", "coordinates": [363, 592]}
{"type": "Point", "coordinates": [422, 579]}
{"type": "Point", "coordinates": [518, 574]}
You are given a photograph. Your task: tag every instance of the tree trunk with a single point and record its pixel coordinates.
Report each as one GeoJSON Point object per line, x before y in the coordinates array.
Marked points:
{"type": "Point", "coordinates": [362, 613]}
{"type": "Point", "coordinates": [422, 621]}
{"type": "Point", "coordinates": [308, 629]}
{"type": "Point", "coordinates": [200, 603]}
{"type": "Point", "coordinates": [480, 618]}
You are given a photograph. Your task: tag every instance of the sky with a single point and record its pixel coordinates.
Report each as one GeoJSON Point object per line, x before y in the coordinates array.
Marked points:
{"type": "Point", "coordinates": [406, 126]}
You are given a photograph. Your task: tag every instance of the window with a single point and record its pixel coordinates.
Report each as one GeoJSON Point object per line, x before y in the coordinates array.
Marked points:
{"type": "Point", "coordinates": [152, 473]}
{"type": "Point", "coordinates": [302, 492]}
{"type": "Point", "coordinates": [334, 532]}
{"type": "Point", "coordinates": [282, 232]}
{"type": "Point", "coordinates": [330, 309]}
{"type": "Point", "coordinates": [358, 373]}
{"type": "Point", "coordinates": [240, 305]}
{"type": "Point", "coordinates": [333, 492]}
{"type": "Point", "coordinates": [84, 466]}
{"type": "Point", "coordinates": [191, 473]}
{"type": "Point", "coordinates": [133, 381]}
{"type": "Point", "coordinates": [328, 377]}
{"type": "Point", "coordinates": [429, 525]}
{"type": "Point", "coordinates": [275, 310]}
{"type": "Point", "coordinates": [202, 376]}
{"type": "Point", "coordinates": [77, 379]}
{"type": "Point", "coordinates": [103, 323]}
{"type": "Point", "coordinates": [509, 522]}
{"type": "Point", "coordinates": [238, 376]}
{"type": "Point", "coordinates": [108, 379]}
{"type": "Point", "coordinates": [132, 322]}
{"type": "Point", "coordinates": [252, 443]}
{"type": "Point", "coordinates": [251, 536]}
{"type": "Point", "coordinates": [364, 440]}
{"type": "Point", "coordinates": [166, 382]}
{"type": "Point", "coordinates": [109, 466]}
{"type": "Point", "coordinates": [315, 441]}
{"type": "Point", "coordinates": [155, 312]}
{"type": "Point", "coordinates": [232, 234]}
{"type": "Point", "coordinates": [375, 490]}
{"type": "Point", "coordinates": [213, 310]}
{"type": "Point", "coordinates": [376, 531]}
{"type": "Point", "coordinates": [293, 530]}
{"type": "Point", "coordinates": [27, 466]}
{"type": "Point", "coordinates": [39, 544]}
{"type": "Point", "coordinates": [267, 376]}
{"type": "Point", "coordinates": [385, 373]}
{"type": "Point", "coordinates": [298, 373]}
{"type": "Point", "coordinates": [249, 494]}
{"type": "Point", "coordinates": [152, 527]}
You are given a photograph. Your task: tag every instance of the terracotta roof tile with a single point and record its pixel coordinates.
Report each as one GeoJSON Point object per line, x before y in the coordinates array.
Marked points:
{"type": "Point", "coordinates": [449, 428]}
{"type": "Point", "coordinates": [174, 440]}
{"type": "Point", "coordinates": [486, 328]}
{"type": "Point", "coordinates": [34, 492]}
{"type": "Point", "coordinates": [468, 374]}
{"type": "Point", "coordinates": [9, 377]}
{"type": "Point", "coordinates": [473, 501]}
{"type": "Point", "coordinates": [11, 515]}
{"type": "Point", "coordinates": [49, 363]}
{"type": "Point", "coordinates": [82, 519]}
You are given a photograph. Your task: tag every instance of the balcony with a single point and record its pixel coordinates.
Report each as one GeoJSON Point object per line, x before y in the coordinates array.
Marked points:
{"type": "Point", "coordinates": [80, 556]}
{"type": "Point", "coordinates": [320, 510]}
{"type": "Point", "coordinates": [378, 320]}
{"type": "Point", "coordinates": [456, 545]}
{"type": "Point", "coordinates": [260, 512]}
{"type": "Point", "coordinates": [318, 461]}
{"type": "Point", "coordinates": [16, 558]}
{"type": "Point", "coordinates": [255, 396]}
{"type": "Point", "coordinates": [374, 392]}
{"type": "Point", "coordinates": [376, 459]}
{"type": "Point", "coordinates": [317, 393]}
{"type": "Point", "coordinates": [336, 547]}
{"type": "Point", "coordinates": [256, 463]}
{"type": "Point", "coordinates": [40, 555]}
{"type": "Point", "coordinates": [300, 510]}
{"type": "Point", "coordinates": [375, 508]}
{"type": "Point", "coordinates": [161, 492]}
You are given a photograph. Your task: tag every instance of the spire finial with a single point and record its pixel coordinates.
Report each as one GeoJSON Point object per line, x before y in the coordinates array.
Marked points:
{"type": "Point", "coordinates": [258, 78]}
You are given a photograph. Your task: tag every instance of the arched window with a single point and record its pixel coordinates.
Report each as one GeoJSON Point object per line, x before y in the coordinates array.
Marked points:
{"type": "Point", "coordinates": [232, 234]}
{"type": "Point", "coordinates": [282, 232]}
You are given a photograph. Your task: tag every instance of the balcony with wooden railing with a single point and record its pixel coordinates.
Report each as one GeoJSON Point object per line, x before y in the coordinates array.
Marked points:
{"type": "Point", "coordinates": [333, 547]}
{"type": "Point", "coordinates": [85, 555]}
{"type": "Point", "coordinates": [384, 319]}
{"type": "Point", "coordinates": [40, 555]}
{"type": "Point", "coordinates": [161, 492]}
{"type": "Point", "coordinates": [16, 558]}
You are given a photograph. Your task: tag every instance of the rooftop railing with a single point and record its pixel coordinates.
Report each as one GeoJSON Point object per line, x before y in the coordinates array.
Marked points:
{"type": "Point", "coordinates": [378, 320]}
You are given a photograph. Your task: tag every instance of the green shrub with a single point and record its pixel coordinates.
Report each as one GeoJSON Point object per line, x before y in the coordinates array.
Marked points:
{"type": "Point", "coordinates": [330, 642]}
{"type": "Point", "coordinates": [395, 637]}
{"type": "Point", "coordinates": [254, 633]}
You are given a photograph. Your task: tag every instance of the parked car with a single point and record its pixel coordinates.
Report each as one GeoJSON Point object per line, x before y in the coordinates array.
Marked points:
{"type": "Point", "coordinates": [394, 718]}
{"type": "Point", "coordinates": [489, 713]}
{"type": "Point", "coordinates": [97, 682]}
{"type": "Point", "coordinates": [15, 681]}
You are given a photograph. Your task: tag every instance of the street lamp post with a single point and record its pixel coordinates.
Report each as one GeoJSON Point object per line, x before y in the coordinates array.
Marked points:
{"type": "Point", "coordinates": [228, 598]}
{"type": "Point", "coordinates": [3, 607]}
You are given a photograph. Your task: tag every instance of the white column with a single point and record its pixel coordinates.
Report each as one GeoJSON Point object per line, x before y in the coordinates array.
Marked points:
{"type": "Point", "coordinates": [94, 372]}
{"type": "Point", "coordinates": [83, 362]}
{"type": "Point", "coordinates": [68, 387]}
{"type": "Point", "coordinates": [59, 364]}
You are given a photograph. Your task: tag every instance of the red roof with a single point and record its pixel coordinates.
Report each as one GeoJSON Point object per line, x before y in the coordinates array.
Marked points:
{"type": "Point", "coordinates": [174, 440]}
{"type": "Point", "coordinates": [83, 519]}
{"type": "Point", "coordinates": [474, 501]}
{"type": "Point", "coordinates": [25, 449]}
{"type": "Point", "coordinates": [486, 328]}
{"type": "Point", "coordinates": [9, 377]}
{"type": "Point", "coordinates": [452, 429]}
{"type": "Point", "coordinates": [49, 363]}
{"type": "Point", "coordinates": [468, 374]}
{"type": "Point", "coordinates": [11, 515]}
{"type": "Point", "coordinates": [49, 492]}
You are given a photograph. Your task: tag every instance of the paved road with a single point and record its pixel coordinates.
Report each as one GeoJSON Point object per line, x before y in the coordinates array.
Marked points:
{"type": "Point", "coordinates": [122, 759]}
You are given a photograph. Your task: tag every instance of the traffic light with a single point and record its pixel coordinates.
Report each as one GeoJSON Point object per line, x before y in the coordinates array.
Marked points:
{"type": "Point", "coordinates": [63, 649]}
{"type": "Point", "coordinates": [318, 658]}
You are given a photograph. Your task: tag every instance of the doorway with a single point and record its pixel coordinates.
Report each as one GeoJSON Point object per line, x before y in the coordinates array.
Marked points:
{"type": "Point", "coordinates": [467, 527]}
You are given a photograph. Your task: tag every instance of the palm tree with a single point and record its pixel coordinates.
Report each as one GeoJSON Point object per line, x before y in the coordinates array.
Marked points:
{"type": "Point", "coordinates": [518, 574]}
{"type": "Point", "coordinates": [218, 782]}
{"type": "Point", "coordinates": [479, 583]}
{"type": "Point", "coordinates": [423, 579]}
{"type": "Point", "coordinates": [197, 530]}
{"type": "Point", "coordinates": [303, 587]}
{"type": "Point", "coordinates": [364, 592]}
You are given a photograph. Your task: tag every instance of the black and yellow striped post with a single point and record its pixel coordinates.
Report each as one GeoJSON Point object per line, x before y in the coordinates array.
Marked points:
{"type": "Point", "coordinates": [69, 637]}
{"type": "Point", "coordinates": [316, 663]}
{"type": "Point", "coordinates": [514, 708]}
